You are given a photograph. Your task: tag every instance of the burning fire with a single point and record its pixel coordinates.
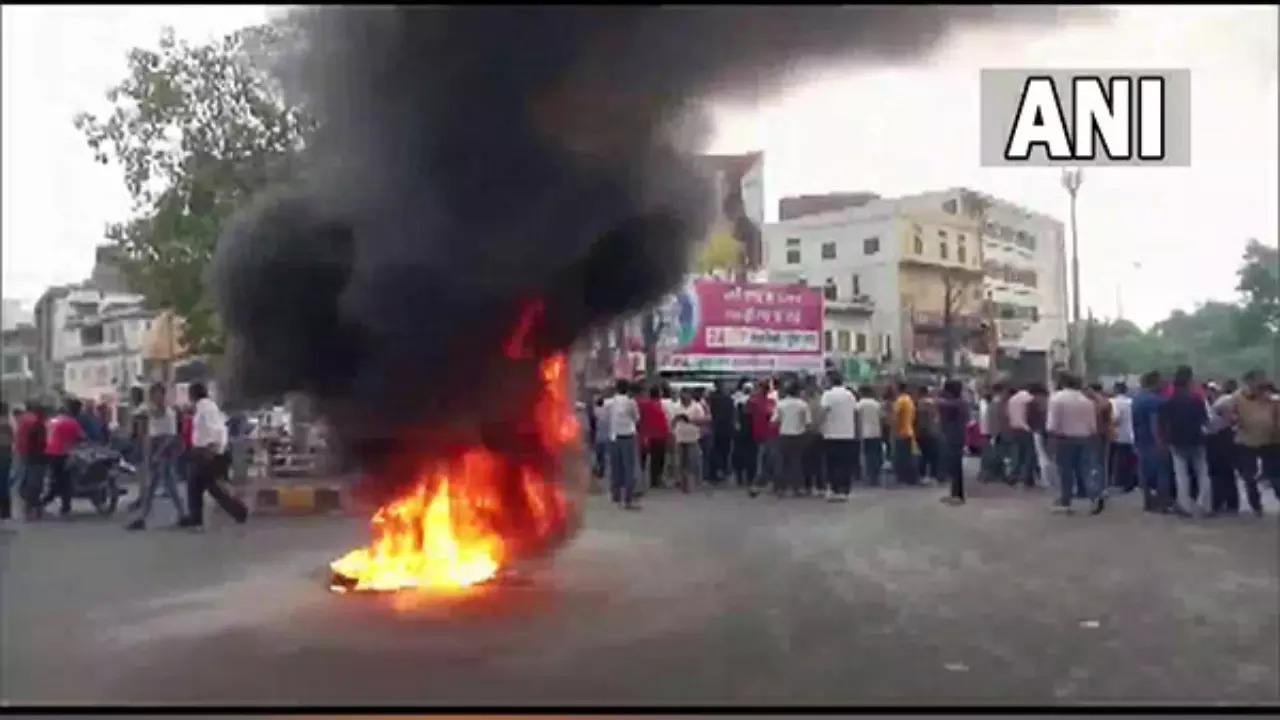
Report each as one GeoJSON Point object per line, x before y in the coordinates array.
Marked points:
{"type": "Point", "coordinates": [470, 515]}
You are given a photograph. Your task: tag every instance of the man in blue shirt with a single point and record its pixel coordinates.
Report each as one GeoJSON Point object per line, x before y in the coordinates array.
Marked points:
{"type": "Point", "coordinates": [1183, 417]}
{"type": "Point", "coordinates": [1153, 457]}
{"type": "Point", "coordinates": [94, 429]}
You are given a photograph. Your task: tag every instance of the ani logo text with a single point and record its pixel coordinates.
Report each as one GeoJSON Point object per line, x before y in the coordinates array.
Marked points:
{"type": "Point", "coordinates": [1086, 117]}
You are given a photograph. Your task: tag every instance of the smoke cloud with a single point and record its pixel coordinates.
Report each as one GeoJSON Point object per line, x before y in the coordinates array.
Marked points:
{"type": "Point", "coordinates": [472, 160]}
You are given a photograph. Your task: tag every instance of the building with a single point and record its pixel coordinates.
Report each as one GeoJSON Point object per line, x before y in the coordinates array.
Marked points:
{"type": "Point", "coordinates": [895, 269]}
{"type": "Point", "coordinates": [19, 350]}
{"type": "Point", "coordinates": [91, 342]}
{"type": "Point", "coordinates": [14, 314]}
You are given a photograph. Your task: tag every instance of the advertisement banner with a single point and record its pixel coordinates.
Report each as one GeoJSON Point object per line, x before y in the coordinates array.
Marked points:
{"type": "Point", "coordinates": [715, 325]}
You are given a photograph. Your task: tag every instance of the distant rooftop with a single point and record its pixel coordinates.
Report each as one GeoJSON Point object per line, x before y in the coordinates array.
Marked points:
{"type": "Point", "coordinates": [797, 206]}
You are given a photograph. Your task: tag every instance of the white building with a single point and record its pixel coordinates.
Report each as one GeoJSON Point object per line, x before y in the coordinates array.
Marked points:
{"type": "Point", "coordinates": [890, 267]}
{"type": "Point", "coordinates": [92, 341]}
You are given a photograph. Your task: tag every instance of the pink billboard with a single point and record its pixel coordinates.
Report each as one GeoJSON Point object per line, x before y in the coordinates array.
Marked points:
{"type": "Point", "coordinates": [721, 326]}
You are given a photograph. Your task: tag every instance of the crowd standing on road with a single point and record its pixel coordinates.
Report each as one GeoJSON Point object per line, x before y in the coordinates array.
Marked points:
{"type": "Point", "coordinates": [48, 457]}
{"type": "Point", "coordinates": [1188, 447]}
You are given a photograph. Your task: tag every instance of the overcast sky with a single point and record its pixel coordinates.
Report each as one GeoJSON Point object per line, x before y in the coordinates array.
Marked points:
{"type": "Point", "coordinates": [891, 131]}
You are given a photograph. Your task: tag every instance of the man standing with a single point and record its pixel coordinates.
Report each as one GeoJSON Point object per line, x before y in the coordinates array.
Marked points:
{"type": "Point", "coordinates": [1153, 471]}
{"type": "Point", "coordinates": [953, 418]}
{"type": "Point", "coordinates": [1220, 446]}
{"type": "Point", "coordinates": [926, 429]}
{"type": "Point", "coordinates": [7, 436]}
{"type": "Point", "coordinates": [688, 421]}
{"type": "Point", "coordinates": [29, 453]}
{"type": "Point", "coordinates": [763, 433]}
{"type": "Point", "coordinates": [995, 452]}
{"type": "Point", "coordinates": [208, 443]}
{"type": "Point", "coordinates": [792, 416]}
{"type": "Point", "coordinates": [161, 448]}
{"type": "Point", "coordinates": [720, 405]}
{"type": "Point", "coordinates": [870, 438]}
{"type": "Point", "coordinates": [904, 437]}
{"type": "Point", "coordinates": [655, 433]}
{"type": "Point", "coordinates": [1072, 425]}
{"type": "Point", "coordinates": [624, 416]}
{"type": "Point", "coordinates": [1183, 417]}
{"type": "Point", "coordinates": [1037, 417]}
{"type": "Point", "coordinates": [1022, 445]}
{"type": "Point", "coordinates": [813, 452]}
{"type": "Point", "coordinates": [839, 437]}
{"type": "Point", "coordinates": [1123, 459]}
{"type": "Point", "coordinates": [64, 433]}
{"type": "Point", "coordinates": [1257, 437]}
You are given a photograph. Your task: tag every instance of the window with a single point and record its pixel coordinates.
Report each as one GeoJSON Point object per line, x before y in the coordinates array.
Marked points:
{"type": "Point", "coordinates": [793, 251]}
{"type": "Point", "coordinates": [860, 342]}
{"type": "Point", "coordinates": [961, 255]}
{"type": "Point", "coordinates": [942, 250]}
{"type": "Point", "coordinates": [942, 234]}
{"type": "Point", "coordinates": [12, 364]}
{"type": "Point", "coordinates": [829, 289]}
{"type": "Point", "coordinates": [829, 251]}
{"type": "Point", "coordinates": [917, 245]}
{"type": "Point", "coordinates": [826, 341]}
{"type": "Point", "coordinates": [871, 246]}
{"type": "Point", "coordinates": [950, 207]}
{"type": "Point", "coordinates": [1034, 314]}
{"type": "Point", "coordinates": [842, 341]}
{"type": "Point", "coordinates": [888, 347]}
{"type": "Point", "coordinates": [91, 336]}
{"type": "Point", "coordinates": [71, 374]}
{"type": "Point", "coordinates": [855, 286]}
{"type": "Point", "coordinates": [960, 238]}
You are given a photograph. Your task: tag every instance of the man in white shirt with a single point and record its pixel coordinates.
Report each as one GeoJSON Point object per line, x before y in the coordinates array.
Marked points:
{"type": "Point", "coordinates": [870, 414]}
{"type": "Point", "coordinates": [624, 414]}
{"type": "Point", "coordinates": [687, 424]}
{"type": "Point", "coordinates": [1124, 461]}
{"type": "Point", "coordinates": [1072, 426]}
{"type": "Point", "coordinates": [791, 415]}
{"type": "Point", "coordinates": [839, 437]}
{"type": "Point", "coordinates": [1021, 443]}
{"type": "Point", "coordinates": [208, 443]}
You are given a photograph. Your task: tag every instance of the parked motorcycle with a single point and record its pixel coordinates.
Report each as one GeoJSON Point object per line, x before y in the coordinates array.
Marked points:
{"type": "Point", "coordinates": [98, 474]}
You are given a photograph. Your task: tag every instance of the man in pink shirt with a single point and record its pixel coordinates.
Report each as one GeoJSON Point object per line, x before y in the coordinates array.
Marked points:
{"type": "Point", "coordinates": [64, 433]}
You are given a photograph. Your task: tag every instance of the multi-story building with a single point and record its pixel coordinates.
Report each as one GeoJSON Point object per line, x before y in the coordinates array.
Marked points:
{"type": "Point", "coordinates": [898, 272]}
{"type": "Point", "coordinates": [19, 348]}
{"type": "Point", "coordinates": [91, 341]}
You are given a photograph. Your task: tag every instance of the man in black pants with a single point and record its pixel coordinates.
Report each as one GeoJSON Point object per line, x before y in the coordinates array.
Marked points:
{"type": "Point", "coordinates": [208, 444]}
{"type": "Point", "coordinates": [720, 405]}
{"type": "Point", "coordinates": [953, 418]}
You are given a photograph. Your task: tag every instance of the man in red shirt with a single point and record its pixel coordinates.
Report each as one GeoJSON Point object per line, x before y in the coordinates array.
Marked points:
{"type": "Point", "coordinates": [654, 433]}
{"type": "Point", "coordinates": [764, 432]}
{"type": "Point", "coordinates": [64, 433]}
{"type": "Point", "coordinates": [29, 455]}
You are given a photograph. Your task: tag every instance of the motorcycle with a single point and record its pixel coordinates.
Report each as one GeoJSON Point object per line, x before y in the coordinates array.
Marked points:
{"type": "Point", "coordinates": [98, 474]}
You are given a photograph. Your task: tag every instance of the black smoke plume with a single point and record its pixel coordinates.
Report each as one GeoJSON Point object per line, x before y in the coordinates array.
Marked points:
{"type": "Point", "coordinates": [473, 160]}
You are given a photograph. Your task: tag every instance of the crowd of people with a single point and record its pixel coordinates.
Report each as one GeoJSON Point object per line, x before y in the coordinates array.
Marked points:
{"type": "Point", "coordinates": [179, 448]}
{"type": "Point", "coordinates": [1188, 446]}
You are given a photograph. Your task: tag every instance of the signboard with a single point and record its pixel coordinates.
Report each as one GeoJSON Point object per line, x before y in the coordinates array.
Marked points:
{"type": "Point", "coordinates": [719, 326]}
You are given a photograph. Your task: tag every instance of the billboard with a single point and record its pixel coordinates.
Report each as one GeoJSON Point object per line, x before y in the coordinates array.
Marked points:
{"type": "Point", "coordinates": [713, 325]}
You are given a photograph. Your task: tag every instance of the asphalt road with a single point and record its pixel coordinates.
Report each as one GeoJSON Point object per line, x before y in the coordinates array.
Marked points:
{"type": "Point", "coordinates": [892, 598]}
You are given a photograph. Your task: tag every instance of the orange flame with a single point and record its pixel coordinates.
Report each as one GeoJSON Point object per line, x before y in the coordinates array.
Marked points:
{"type": "Point", "coordinates": [472, 514]}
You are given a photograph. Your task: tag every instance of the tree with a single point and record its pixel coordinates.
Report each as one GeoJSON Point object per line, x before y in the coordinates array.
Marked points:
{"type": "Point", "coordinates": [722, 251]}
{"type": "Point", "coordinates": [1259, 283]}
{"type": "Point", "coordinates": [652, 323]}
{"type": "Point", "coordinates": [957, 286]}
{"type": "Point", "coordinates": [196, 130]}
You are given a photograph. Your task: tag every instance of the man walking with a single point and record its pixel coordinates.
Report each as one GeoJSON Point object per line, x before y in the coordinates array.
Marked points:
{"type": "Point", "coordinates": [64, 433]}
{"type": "Point", "coordinates": [763, 433]}
{"type": "Point", "coordinates": [870, 435]}
{"type": "Point", "coordinates": [688, 421]}
{"type": "Point", "coordinates": [1183, 417]}
{"type": "Point", "coordinates": [161, 449]}
{"type": "Point", "coordinates": [926, 429]}
{"type": "Point", "coordinates": [1257, 437]}
{"type": "Point", "coordinates": [839, 437]}
{"type": "Point", "coordinates": [1072, 425]}
{"type": "Point", "coordinates": [1123, 458]}
{"type": "Point", "coordinates": [1220, 446]}
{"type": "Point", "coordinates": [953, 418]}
{"type": "Point", "coordinates": [1153, 471]}
{"type": "Point", "coordinates": [995, 419]}
{"type": "Point", "coordinates": [720, 405]}
{"type": "Point", "coordinates": [208, 443]}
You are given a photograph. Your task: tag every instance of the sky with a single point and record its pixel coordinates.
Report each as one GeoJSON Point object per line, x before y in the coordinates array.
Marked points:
{"type": "Point", "coordinates": [1151, 239]}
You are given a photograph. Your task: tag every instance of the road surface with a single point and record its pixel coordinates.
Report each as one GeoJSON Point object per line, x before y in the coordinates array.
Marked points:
{"type": "Point", "coordinates": [892, 598]}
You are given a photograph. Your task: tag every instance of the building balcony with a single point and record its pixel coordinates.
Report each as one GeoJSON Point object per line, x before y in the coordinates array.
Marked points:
{"type": "Point", "coordinates": [936, 264]}
{"type": "Point", "coordinates": [922, 321]}
{"type": "Point", "coordinates": [856, 305]}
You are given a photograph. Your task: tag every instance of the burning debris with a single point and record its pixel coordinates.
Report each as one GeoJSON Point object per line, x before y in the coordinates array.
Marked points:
{"type": "Point", "coordinates": [485, 185]}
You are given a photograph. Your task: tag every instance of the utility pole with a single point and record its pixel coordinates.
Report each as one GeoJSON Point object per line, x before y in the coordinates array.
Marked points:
{"type": "Point", "coordinates": [1071, 179]}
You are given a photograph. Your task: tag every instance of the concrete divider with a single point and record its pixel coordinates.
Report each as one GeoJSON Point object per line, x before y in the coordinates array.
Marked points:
{"type": "Point", "coordinates": [298, 496]}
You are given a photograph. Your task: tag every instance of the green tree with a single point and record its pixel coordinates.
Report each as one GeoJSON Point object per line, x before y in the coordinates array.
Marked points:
{"type": "Point", "coordinates": [1259, 283]}
{"type": "Point", "coordinates": [196, 130]}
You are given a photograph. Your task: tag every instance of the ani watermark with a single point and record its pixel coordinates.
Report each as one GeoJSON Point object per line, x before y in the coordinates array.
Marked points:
{"type": "Point", "coordinates": [1086, 117]}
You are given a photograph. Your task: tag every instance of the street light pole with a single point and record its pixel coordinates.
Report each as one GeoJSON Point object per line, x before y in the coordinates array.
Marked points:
{"type": "Point", "coordinates": [1071, 179]}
